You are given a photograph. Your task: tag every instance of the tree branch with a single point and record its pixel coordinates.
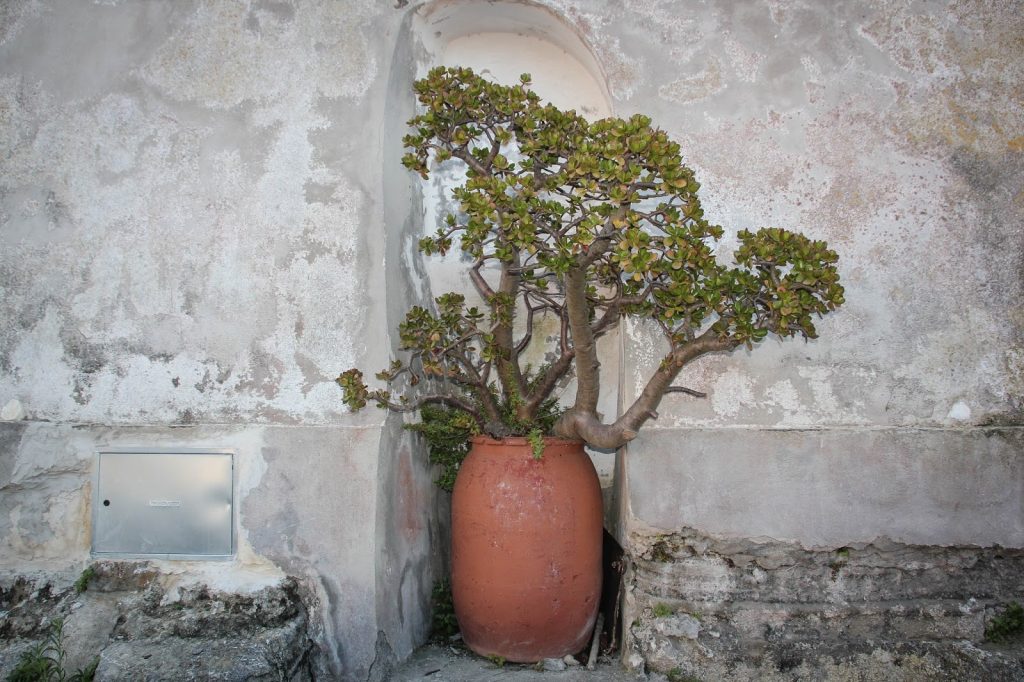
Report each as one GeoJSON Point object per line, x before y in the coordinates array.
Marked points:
{"type": "Point", "coordinates": [687, 391]}
{"type": "Point", "coordinates": [507, 360]}
{"type": "Point", "coordinates": [479, 282]}
{"type": "Point", "coordinates": [585, 424]}
{"type": "Point", "coordinates": [435, 399]}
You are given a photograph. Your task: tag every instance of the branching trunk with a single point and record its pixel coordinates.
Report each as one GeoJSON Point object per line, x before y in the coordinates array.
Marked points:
{"type": "Point", "coordinates": [507, 359]}
{"type": "Point", "coordinates": [588, 368]}
{"type": "Point", "coordinates": [584, 424]}
{"type": "Point", "coordinates": [608, 208]}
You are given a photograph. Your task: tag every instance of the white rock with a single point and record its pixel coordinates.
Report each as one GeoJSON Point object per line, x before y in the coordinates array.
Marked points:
{"type": "Point", "coordinates": [13, 411]}
{"type": "Point", "coordinates": [570, 660]}
{"type": "Point", "coordinates": [960, 412]}
{"type": "Point", "coordinates": [554, 664]}
{"type": "Point", "coordinates": [681, 625]}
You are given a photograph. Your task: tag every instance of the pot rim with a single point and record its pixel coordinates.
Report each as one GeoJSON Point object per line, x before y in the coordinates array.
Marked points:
{"type": "Point", "coordinates": [519, 441]}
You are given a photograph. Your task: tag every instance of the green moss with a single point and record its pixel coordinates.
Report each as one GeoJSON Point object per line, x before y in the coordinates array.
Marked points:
{"type": "Point", "coordinates": [661, 551]}
{"type": "Point", "coordinates": [82, 584]}
{"type": "Point", "coordinates": [1006, 625]}
{"type": "Point", "coordinates": [663, 610]}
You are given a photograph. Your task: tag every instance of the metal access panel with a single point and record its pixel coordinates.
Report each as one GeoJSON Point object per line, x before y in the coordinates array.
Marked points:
{"type": "Point", "coordinates": [171, 504]}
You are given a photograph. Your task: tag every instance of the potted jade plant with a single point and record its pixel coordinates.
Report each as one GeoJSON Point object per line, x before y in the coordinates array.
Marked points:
{"type": "Point", "coordinates": [568, 226]}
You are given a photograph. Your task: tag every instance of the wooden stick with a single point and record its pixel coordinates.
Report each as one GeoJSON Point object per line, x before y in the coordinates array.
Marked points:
{"type": "Point", "coordinates": [592, 661]}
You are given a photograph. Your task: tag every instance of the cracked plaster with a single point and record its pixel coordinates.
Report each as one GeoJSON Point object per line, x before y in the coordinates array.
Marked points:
{"type": "Point", "coordinates": [189, 208]}
{"type": "Point", "coordinates": [165, 219]}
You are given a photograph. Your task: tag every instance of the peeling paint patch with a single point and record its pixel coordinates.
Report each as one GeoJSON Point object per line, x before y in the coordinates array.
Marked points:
{"type": "Point", "coordinates": [695, 88]}
{"type": "Point", "coordinates": [216, 61]}
{"type": "Point", "coordinates": [732, 392]}
{"type": "Point", "coordinates": [745, 62]}
{"type": "Point", "coordinates": [960, 412]}
{"type": "Point", "coordinates": [148, 240]}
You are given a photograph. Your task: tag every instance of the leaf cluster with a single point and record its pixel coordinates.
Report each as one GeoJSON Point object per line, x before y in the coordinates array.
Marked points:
{"type": "Point", "coordinates": [581, 223]}
{"type": "Point", "coordinates": [447, 433]}
{"type": "Point", "coordinates": [82, 583]}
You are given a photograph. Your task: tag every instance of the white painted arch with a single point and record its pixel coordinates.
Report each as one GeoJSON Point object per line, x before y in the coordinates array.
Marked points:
{"type": "Point", "coordinates": [501, 40]}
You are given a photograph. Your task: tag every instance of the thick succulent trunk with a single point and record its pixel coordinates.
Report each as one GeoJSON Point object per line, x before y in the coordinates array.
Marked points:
{"type": "Point", "coordinates": [585, 425]}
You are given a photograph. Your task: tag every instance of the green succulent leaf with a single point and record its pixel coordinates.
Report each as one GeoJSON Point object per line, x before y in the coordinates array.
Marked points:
{"type": "Point", "coordinates": [550, 197]}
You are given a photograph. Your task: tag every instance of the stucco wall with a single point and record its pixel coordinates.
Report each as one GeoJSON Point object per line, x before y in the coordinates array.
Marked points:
{"type": "Point", "coordinates": [203, 220]}
{"type": "Point", "coordinates": [894, 131]}
{"type": "Point", "coordinates": [194, 244]}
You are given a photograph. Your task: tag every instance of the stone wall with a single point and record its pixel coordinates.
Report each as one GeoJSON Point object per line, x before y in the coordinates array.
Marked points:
{"type": "Point", "coordinates": [203, 220]}
{"type": "Point", "coordinates": [763, 610]}
{"type": "Point", "coordinates": [124, 622]}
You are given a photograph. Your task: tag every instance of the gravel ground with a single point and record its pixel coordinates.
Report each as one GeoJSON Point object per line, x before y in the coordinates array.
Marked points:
{"type": "Point", "coordinates": [434, 663]}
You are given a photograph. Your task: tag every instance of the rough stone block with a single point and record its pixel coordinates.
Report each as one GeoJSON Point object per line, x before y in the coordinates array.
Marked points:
{"type": "Point", "coordinates": [140, 631]}
{"type": "Point", "coordinates": [735, 609]}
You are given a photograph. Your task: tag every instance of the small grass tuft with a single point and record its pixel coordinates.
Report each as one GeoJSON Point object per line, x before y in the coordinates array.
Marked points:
{"type": "Point", "coordinates": [1007, 624]}
{"type": "Point", "coordinates": [677, 675]}
{"type": "Point", "coordinates": [82, 584]}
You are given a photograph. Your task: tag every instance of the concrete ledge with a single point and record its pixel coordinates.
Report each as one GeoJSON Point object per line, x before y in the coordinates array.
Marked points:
{"type": "Point", "coordinates": [829, 488]}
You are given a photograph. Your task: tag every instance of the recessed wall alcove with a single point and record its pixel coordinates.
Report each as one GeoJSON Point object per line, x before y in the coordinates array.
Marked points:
{"type": "Point", "coordinates": [500, 41]}
{"type": "Point", "coordinates": [504, 39]}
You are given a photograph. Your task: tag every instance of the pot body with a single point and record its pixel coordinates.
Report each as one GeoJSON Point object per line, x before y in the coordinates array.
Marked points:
{"type": "Point", "coordinates": [526, 548]}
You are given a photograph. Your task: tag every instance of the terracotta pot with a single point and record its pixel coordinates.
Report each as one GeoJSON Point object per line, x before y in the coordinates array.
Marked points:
{"type": "Point", "coordinates": [526, 548]}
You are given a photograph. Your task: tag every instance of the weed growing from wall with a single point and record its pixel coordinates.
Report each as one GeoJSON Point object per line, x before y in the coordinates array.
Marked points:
{"type": "Point", "coordinates": [44, 662]}
{"type": "Point", "coordinates": [1007, 625]}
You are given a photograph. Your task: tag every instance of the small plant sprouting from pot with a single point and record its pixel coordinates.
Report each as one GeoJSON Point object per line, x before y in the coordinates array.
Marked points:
{"type": "Point", "coordinates": [447, 433]}
{"type": "Point", "coordinates": [575, 225]}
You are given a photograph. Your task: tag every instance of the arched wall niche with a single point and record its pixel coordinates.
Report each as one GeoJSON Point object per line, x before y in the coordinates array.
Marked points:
{"type": "Point", "coordinates": [504, 39]}
{"type": "Point", "coordinates": [501, 40]}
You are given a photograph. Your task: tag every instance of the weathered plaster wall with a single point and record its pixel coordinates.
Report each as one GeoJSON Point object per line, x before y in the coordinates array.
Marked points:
{"type": "Point", "coordinates": [891, 129]}
{"type": "Point", "coordinates": [194, 244]}
{"type": "Point", "coordinates": [185, 195]}
{"type": "Point", "coordinates": [894, 131]}
{"type": "Point", "coordinates": [200, 230]}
